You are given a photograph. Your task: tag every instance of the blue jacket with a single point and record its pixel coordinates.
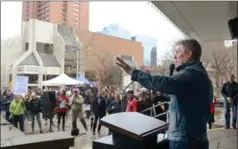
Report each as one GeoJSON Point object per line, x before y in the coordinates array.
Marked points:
{"type": "Point", "coordinates": [114, 107]}
{"type": "Point", "coordinates": [191, 94]}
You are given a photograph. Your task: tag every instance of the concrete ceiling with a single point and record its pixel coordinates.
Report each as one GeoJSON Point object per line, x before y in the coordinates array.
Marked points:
{"type": "Point", "coordinates": [202, 20]}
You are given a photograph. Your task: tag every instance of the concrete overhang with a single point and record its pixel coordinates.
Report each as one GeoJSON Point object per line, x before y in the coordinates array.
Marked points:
{"type": "Point", "coordinates": [203, 20]}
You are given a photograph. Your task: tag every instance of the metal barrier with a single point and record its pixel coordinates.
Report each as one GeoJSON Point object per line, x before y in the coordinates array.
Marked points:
{"type": "Point", "coordinates": [153, 112]}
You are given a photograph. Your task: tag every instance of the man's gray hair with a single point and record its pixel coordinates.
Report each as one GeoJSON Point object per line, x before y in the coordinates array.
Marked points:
{"type": "Point", "coordinates": [191, 45]}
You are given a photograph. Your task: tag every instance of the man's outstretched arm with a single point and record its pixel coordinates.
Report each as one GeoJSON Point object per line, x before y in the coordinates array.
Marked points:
{"type": "Point", "coordinates": [164, 84]}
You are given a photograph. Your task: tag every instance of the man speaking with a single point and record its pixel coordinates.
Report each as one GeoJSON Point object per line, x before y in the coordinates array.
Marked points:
{"type": "Point", "coordinates": [191, 94]}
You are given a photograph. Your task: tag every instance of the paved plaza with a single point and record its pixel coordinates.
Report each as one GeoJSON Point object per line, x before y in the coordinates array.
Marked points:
{"type": "Point", "coordinates": [219, 138]}
{"type": "Point", "coordinates": [83, 141]}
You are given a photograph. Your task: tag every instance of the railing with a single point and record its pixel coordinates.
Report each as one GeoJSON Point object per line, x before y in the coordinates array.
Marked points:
{"type": "Point", "coordinates": [155, 115]}
{"type": "Point", "coordinates": [153, 111]}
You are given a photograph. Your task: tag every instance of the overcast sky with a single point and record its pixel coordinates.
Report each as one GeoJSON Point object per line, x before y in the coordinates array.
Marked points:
{"type": "Point", "coordinates": [137, 17]}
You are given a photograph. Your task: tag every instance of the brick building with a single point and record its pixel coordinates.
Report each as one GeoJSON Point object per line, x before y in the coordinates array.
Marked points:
{"type": "Point", "coordinates": [101, 50]}
{"type": "Point", "coordinates": [74, 14]}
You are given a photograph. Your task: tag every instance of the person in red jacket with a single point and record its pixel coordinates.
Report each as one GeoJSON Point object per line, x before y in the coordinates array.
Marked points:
{"type": "Point", "coordinates": [212, 112]}
{"type": "Point", "coordinates": [132, 105]}
{"type": "Point", "coordinates": [62, 108]}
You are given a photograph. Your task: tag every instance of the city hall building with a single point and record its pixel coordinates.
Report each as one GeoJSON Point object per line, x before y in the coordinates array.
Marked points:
{"type": "Point", "coordinates": [38, 53]}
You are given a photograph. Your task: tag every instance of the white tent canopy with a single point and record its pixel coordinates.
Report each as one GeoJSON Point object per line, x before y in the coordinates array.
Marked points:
{"type": "Point", "coordinates": [62, 79]}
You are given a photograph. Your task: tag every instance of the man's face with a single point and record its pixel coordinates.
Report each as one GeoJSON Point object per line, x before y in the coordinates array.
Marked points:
{"type": "Point", "coordinates": [61, 91]}
{"type": "Point", "coordinates": [112, 95]}
{"type": "Point", "coordinates": [181, 56]}
{"type": "Point", "coordinates": [76, 92]}
{"type": "Point", "coordinates": [8, 93]}
{"type": "Point", "coordinates": [33, 95]}
{"type": "Point", "coordinates": [129, 95]}
{"type": "Point", "coordinates": [232, 78]}
{"type": "Point", "coordinates": [18, 97]}
{"type": "Point", "coordinates": [118, 97]}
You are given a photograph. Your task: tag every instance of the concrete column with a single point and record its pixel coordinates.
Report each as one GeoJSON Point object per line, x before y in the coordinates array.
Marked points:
{"type": "Point", "coordinates": [32, 45]}
{"type": "Point", "coordinates": [14, 75]}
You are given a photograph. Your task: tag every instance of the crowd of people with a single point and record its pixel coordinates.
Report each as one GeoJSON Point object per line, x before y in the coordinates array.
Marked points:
{"type": "Point", "coordinates": [79, 102]}
{"type": "Point", "coordinates": [89, 103]}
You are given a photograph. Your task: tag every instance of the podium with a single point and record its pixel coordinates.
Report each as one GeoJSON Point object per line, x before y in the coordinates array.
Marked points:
{"type": "Point", "coordinates": [132, 130]}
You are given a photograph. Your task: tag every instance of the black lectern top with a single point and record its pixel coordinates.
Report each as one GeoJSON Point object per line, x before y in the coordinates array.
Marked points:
{"type": "Point", "coordinates": [133, 124]}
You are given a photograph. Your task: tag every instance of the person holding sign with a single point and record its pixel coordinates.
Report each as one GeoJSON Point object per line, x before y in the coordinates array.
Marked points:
{"type": "Point", "coordinates": [62, 108]}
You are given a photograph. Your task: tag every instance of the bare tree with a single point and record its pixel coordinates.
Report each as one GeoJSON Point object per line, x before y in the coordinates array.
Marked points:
{"type": "Point", "coordinates": [147, 63]}
{"type": "Point", "coordinates": [106, 71]}
{"type": "Point", "coordinates": [220, 62]}
{"type": "Point", "coordinates": [101, 65]}
{"type": "Point", "coordinates": [115, 76]}
{"type": "Point", "coordinates": [87, 38]}
{"type": "Point", "coordinates": [166, 60]}
{"type": "Point", "coordinates": [91, 75]}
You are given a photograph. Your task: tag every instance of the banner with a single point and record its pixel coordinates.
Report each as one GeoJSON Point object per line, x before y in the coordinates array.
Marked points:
{"type": "Point", "coordinates": [21, 85]}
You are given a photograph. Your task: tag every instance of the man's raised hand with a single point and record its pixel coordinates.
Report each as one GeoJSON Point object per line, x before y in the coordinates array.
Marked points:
{"type": "Point", "coordinates": [121, 63]}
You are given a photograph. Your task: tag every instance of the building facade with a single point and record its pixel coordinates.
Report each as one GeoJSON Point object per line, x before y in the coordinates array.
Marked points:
{"type": "Point", "coordinates": [117, 31]}
{"type": "Point", "coordinates": [153, 57]}
{"type": "Point", "coordinates": [38, 53]}
{"type": "Point", "coordinates": [148, 43]}
{"type": "Point", "coordinates": [101, 50]}
{"type": "Point", "coordinates": [74, 14]}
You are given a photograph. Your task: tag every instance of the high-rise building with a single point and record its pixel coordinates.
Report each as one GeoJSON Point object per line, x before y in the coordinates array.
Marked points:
{"type": "Point", "coordinates": [117, 31]}
{"type": "Point", "coordinates": [153, 56]}
{"type": "Point", "coordinates": [74, 14]}
{"type": "Point", "coordinates": [148, 43]}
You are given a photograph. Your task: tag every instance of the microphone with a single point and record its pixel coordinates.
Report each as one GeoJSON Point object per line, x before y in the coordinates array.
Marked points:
{"type": "Point", "coordinates": [127, 87]}
{"type": "Point", "coordinates": [171, 69]}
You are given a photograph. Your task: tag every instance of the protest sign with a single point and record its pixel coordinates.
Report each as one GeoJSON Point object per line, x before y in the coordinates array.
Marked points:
{"type": "Point", "coordinates": [21, 85]}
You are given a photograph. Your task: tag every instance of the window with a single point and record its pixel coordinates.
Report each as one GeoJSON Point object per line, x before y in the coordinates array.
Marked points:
{"type": "Point", "coordinates": [26, 46]}
{"type": "Point", "coordinates": [47, 18]}
{"type": "Point", "coordinates": [76, 5]}
{"type": "Point", "coordinates": [32, 78]}
{"type": "Point", "coordinates": [75, 9]}
{"type": "Point", "coordinates": [41, 6]}
{"type": "Point", "coordinates": [47, 3]}
{"type": "Point", "coordinates": [46, 13]}
{"type": "Point", "coordinates": [76, 14]}
{"type": "Point", "coordinates": [47, 8]}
